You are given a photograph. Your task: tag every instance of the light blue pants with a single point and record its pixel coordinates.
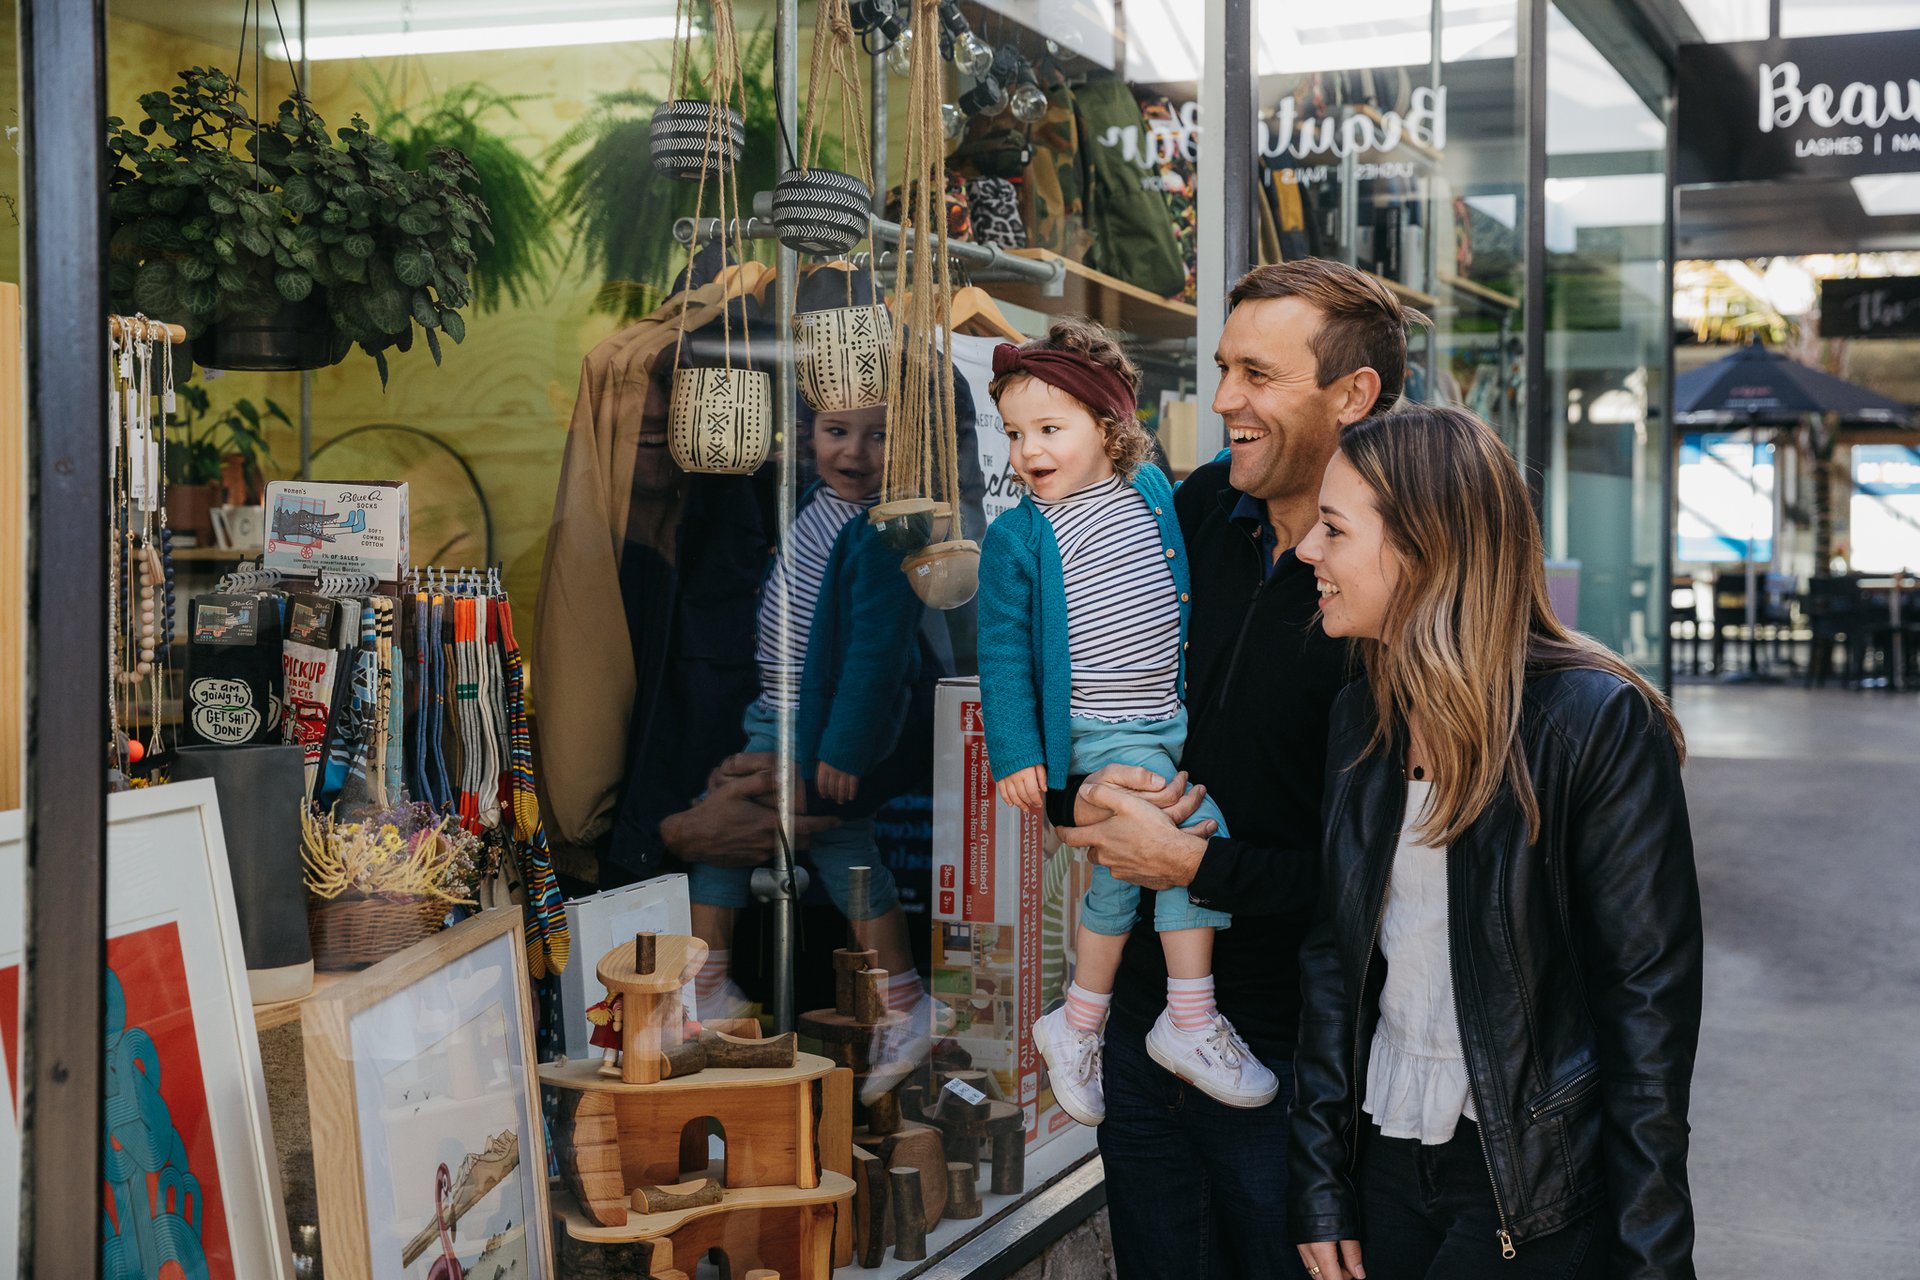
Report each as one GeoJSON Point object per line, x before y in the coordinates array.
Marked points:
{"type": "Point", "coordinates": [833, 853]}
{"type": "Point", "coordinates": [1112, 905]}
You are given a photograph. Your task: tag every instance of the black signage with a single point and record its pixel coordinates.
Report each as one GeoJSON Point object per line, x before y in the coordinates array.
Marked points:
{"type": "Point", "coordinates": [1888, 307]}
{"type": "Point", "coordinates": [1824, 107]}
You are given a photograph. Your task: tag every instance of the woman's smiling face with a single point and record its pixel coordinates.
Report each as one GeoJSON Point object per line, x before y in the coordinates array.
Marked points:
{"type": "Point", "coordinates": [1356, 569]}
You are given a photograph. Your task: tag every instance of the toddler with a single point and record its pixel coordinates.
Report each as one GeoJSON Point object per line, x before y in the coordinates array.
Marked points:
{"type": "Point", "coordinates": [843, 668]}
{"type": "Point", "coordinates": [1083, 616]}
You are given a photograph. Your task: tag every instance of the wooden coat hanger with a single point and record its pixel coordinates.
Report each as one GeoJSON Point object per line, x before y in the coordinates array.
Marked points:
{"type": "Point", "coordinates": [975, 311]}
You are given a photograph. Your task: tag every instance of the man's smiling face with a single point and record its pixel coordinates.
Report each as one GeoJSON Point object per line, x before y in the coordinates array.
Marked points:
{"type": "Point", "coordinates": [1282, 425]}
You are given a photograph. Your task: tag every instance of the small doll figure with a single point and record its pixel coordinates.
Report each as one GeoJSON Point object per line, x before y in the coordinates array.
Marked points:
{"type": "Point", "coordinates": [605, 1018]}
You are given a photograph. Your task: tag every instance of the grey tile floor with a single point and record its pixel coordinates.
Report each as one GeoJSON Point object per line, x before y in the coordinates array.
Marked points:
{"type": "Point", "coordinates": [1806, 1109]}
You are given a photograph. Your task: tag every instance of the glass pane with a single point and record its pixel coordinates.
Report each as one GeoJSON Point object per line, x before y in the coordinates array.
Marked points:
{"type": "Point", "coordinates": [1606, 219]}
{"type": "Point", "coordinates": [1841, 17]}
{"type": "Point", "coordinates": [1721, 20]}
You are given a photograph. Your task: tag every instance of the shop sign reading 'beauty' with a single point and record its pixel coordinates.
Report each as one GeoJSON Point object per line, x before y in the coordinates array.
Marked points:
{"type": "Point", "coordinates": [1827, 107]}
{"type": "Point", "coordinates": [1287, 135]}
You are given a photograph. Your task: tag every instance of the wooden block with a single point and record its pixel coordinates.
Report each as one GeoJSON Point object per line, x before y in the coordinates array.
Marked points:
{"type": "Point", "coordinates": [835, 1145]}
{"type": "Point", "coordinates": [922, 1147]}
{"type": "Point", "coordinates": [762, 1273]}
{"type": "Point", "coordinates": [963, 1193]}
{"type": "Point", "coordinates": [883, 1114]}
{"type": "Point", "coordinates": [913, 1100]}
{"type": "Point", "coordinates": [870, 996]}
{"type": "Point", "coordinates": [859, 894]}
{"type": "Point", "coordinates": [909, 1223]}
{"type": "Point", "coordinates": [1010, 1162]}
{"type": "Point", "coordinates": [872, 1219]}
{"type": "Point", "coordinates": [973, 1077]}
{"type": "Point", "coordinates": [646, 953]}
{"type": "Point", "coordinates": [763, 1129]}
{"type": "Point", "coordinates": [587, 1144]}
{"type": "Point", "coordinates": [829, 1027]}
{"type": "Point", "coordinates": [679, 1195]}
{"type": "Point", "coordinates": [848, 961]}
{"type": "Point", "coordinates": [730, 1051]}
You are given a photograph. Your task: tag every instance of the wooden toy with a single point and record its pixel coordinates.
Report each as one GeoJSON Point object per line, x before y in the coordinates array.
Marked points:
{"type": "Point", "coordinates": [909, 1223]}
{"type": "Point", "coordinates": [963, 1192]}
{"type": "Point", "coordinates": [633, 1150]}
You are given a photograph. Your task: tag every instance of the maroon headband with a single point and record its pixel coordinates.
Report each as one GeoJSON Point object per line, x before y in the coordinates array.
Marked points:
{"type": "Point", "coordinates": [1099, 388]}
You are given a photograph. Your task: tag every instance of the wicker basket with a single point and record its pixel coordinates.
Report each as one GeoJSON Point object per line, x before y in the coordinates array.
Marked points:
{"type": "Point", "coordinates": [352, 933]}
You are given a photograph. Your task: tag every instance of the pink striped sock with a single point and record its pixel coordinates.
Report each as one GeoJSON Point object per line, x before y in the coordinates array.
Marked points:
{"type": "Point", "coordinates": [904, 991]}
{"type": "Point", "coordinates": [1190, 1002]}
{"type": "Point", "coordinates": [712, 978]}
{"type": "Point", "coordinates": [1086, 1010]}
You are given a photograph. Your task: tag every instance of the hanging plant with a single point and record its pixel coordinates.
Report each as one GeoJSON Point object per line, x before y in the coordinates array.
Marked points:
{"type": "Point", "coordinates": [517, 249]}
{"type": "Point", "coordinates": [920, 487]}
{"type": "Point", "coordinates": [816, 209]}
{"type": "Point", "coordinates": [620, 206]}
{"type": "Point", "coordinates": [207, 237]}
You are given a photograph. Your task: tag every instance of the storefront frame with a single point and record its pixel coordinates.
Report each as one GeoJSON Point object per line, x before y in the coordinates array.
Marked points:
{"type": "Point", "coordinates": [63, 56]}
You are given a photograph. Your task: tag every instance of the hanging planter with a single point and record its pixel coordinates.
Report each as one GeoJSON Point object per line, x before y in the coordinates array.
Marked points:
{"type": "Point", "coordinates": [821, 211]}
{"type": "Point", "coordinates": [946, 575]}
{"type": "Point", "coordinates": [815, 209]}
{"type": "Point", "coordinates": [720, 421]}
{"type": "Point", "coordinates": [843, 356]}
{"type": "Point", "coordinates": [909, 525]}
{"type": "Point", "coordinates": [688, 137]}
{"type": "Point", "coordinates": [296, 336]}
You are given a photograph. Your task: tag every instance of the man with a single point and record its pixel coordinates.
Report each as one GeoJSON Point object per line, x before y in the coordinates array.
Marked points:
{"type": "Point", "coordinates": [1197, 1188]}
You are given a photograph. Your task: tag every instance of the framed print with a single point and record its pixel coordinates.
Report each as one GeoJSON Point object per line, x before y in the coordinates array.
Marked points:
{"type": "Point", "coordinates": [191, 1185]}
{"type": "Point", "coordinates": [428, 1144]}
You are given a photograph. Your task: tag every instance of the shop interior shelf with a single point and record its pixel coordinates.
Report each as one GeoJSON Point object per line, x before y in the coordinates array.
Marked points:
{"type": "Point", "coordinates": [584, 1075]}
{"type": "Point", "coordinates": [1104, 298]}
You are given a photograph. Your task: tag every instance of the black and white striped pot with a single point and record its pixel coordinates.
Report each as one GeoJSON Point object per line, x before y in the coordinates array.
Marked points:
{"type": "Point", "coordinates": [678, 136]}
{"type": "Point", "coordinates": [720, 420]}
{"type": "Point", "coordinates": [821, 210]}
{"type": "Point", "coordinates": [844, 360]}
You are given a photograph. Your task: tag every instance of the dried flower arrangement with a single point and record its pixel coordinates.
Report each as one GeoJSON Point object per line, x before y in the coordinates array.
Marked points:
{"type": "Point", "coordinates": [407, 852]}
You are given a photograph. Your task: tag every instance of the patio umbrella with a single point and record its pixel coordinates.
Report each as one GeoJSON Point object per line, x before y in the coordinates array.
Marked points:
{"type": "Point", "coordinates": [1754, 387]}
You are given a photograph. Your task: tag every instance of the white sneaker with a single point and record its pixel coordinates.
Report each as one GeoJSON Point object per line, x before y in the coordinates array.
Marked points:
{"type": "Point", "coordinates": [1073, 1065]}
{"type": "Point", "coordinates": [1214, 1060]}
{"type": "Point", "coordinates": [898, 1048]}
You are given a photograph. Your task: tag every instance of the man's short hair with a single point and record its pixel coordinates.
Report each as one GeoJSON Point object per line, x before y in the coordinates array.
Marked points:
{"type": "Point", "coordinates": [1363, 324]}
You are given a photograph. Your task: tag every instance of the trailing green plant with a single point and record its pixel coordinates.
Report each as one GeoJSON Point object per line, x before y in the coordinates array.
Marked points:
{"type": "Point", "coordinates": [205, 440]}
{"type": "Point", "coordinates": [623, 210]}
{"type": "Point", "coordinates": [521, 246]}
{"type": "Point", "coordinates": [203, 233]}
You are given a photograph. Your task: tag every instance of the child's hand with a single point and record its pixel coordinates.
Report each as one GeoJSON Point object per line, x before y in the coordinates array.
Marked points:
{"type": "Point", "coordinates": [836, 786]}
{"type": "Point", "coordinates": [1026, 789]}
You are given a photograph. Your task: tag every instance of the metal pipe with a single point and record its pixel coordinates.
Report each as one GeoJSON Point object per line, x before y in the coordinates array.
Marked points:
{"type": "Point", "coordinates": [877, 129]}
{"type": "Point", "coordinates": [63, 76]}
{"type": "Point", "coordinates": [787, 269]}
{"type": "Point", "coordinates": [1669, 429]}
{"type": "Point", "coordinates": [1224, 247]}
{"type": "Point", "coordinates": [1049, 274]}
{"type": "Point", "coordinates": [1533, 117]}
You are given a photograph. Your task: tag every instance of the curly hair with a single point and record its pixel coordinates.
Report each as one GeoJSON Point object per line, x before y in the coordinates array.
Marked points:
{"type": "Point", "coordinates": [1128, 443]}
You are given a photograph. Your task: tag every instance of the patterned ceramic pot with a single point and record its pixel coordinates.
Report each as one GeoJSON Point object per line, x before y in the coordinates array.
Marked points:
{"type": "Point", "coordinates": [821, 210]}
{"type": "Point", "coordinates": [720, 420]}
{"type": "Point", "coordinates": [946, 575]}
{"type": "Point", "coordinates": [678, 138]}
{"type": "Point", "coordinates": [908, 525]}
{"type": "Point", "coordinates": [844, 357]}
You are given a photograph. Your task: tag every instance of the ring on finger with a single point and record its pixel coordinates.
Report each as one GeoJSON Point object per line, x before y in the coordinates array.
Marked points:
{"type": "Point", "coordinates": [1313, 1271]}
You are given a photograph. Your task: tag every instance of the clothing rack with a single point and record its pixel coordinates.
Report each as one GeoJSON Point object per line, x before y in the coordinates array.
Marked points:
{"type": "Point", "coordinates": [140, 326]}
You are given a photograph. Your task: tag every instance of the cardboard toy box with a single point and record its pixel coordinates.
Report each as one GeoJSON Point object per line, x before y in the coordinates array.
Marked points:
{"type": "Point", "coordinates": [1006, 903]}
{"type": "Point", "coordinates": [315, 527]}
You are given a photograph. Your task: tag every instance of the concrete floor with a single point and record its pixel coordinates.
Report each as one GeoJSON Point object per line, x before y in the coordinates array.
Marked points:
{"type": "Point", "coordinates": [1806, 1107]}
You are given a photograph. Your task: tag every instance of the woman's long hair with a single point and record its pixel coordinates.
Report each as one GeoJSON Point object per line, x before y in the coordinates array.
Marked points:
{"type": "Point", "coordinates": [1470, 618]}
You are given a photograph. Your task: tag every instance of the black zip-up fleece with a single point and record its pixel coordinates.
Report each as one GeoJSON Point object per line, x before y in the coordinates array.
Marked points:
{"type": "Point", "coordinates": [1261, 680]}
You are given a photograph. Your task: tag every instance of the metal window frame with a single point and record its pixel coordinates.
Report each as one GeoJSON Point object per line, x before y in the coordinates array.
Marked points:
{"type": "Point", "coordinates": [63, 115]}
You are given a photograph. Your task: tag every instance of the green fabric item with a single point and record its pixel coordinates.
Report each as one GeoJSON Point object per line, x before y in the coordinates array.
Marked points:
{"type": "Point", "coordinates": [1133, 234]}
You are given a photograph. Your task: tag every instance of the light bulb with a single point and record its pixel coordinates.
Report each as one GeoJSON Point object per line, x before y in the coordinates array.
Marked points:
{"type": "Point", "coordinates": [1029, 103]}
{"type": "Point", "coordinates": [972, 55]}
{"type": "Point", "coordinates": [953, 120]}
{"type": "Point", "coordinates": [900, 54]}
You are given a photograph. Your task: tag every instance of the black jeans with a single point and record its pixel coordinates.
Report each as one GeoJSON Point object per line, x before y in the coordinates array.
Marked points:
{"type": "Point", "coordinates": [1429, 1215]}
{"type": "Point", "coordinates": [1196, 1189]}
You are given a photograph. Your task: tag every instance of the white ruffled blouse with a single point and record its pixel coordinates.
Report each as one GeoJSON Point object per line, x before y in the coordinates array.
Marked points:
{"type": "Point", "coordinates": [1416, 1072]}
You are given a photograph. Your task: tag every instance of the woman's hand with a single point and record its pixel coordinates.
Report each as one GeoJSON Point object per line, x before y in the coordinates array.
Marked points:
{"type": "Point", "coordinates": [1325, 1260]}
{"type": "Point", "coordinates": [1026, 789]}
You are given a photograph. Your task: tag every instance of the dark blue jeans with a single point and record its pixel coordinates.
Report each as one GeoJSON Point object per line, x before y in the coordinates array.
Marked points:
{"type": "Point", "coordinates": [1430, 1215]}
{"type": "Point", "coordinates": [1196, 1189]}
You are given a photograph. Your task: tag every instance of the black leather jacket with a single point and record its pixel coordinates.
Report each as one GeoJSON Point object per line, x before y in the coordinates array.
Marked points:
{"type": "Point", "coordinates": [1576, 973]}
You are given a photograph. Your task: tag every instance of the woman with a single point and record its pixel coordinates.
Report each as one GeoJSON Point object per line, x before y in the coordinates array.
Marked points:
{"type": "Point", "coordinates": [1502, 991]}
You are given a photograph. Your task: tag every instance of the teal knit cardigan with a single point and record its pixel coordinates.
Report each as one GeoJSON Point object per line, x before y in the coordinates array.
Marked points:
{"type": "Point", "coordinates": [1026, 680]}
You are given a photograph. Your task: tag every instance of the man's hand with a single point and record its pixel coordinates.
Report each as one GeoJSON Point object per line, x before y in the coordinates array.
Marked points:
{"type": "Point", "coordinates": [835, 785]}
{"type": "Point", "coordinates": [1139, 842]}
{"type": "Point", "coordinates": [1175, 797]}
{"type": "Point", "coordinates": [1324, 1260]}
{"type": "Point", "coordinates": [737, 823]}
{"type": "Point", "coordinates": [1026, 789]}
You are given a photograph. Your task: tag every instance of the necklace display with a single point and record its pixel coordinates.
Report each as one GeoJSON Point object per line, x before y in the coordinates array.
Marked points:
{"type": "Point", "coordinates": [140, 590]}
